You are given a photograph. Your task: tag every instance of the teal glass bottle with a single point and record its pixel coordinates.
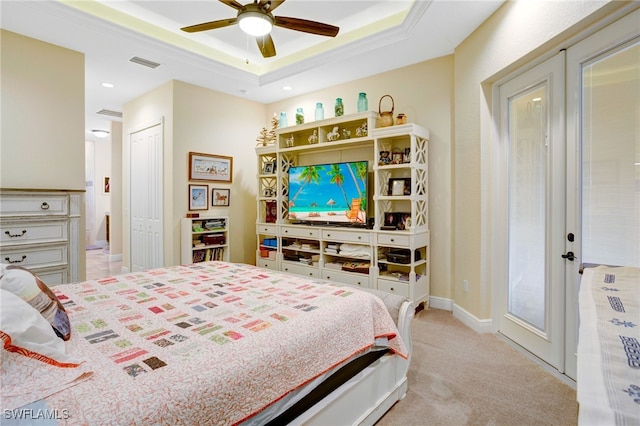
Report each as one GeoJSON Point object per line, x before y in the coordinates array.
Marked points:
{"type": "Point", "coordinates": [319, 113]}
{"type": "Point", "coordinates": [363, 103]}
{"type": "Point", "coordinates": [282, 121]}
{"type": "Point", "coordinates": [339, 108]}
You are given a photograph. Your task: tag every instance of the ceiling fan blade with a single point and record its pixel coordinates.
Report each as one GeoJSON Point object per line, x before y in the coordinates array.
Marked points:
{"type": "Point", "coordinates": [306, 26]}
{"type": "Point", "coordinates": [266, 46]}
{"type": "Point", "coordinates": [233, 3]}
{"type": "Point", "coordinates": [205, 26]}
{"type": "Point", "coordinates": [273, 4]}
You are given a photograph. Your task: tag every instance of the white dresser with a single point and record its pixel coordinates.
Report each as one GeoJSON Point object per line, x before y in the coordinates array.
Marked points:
{"type": "Point", "coordinates": [40, 231]}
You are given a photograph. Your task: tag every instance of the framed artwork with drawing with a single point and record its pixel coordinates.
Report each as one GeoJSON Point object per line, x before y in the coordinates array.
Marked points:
{"type": "Point", "coordinates": [208, 167]}
{"type": "Point", "coordinates": [198, 197]}
{"type": "Point", "coordinates": [220, 197]}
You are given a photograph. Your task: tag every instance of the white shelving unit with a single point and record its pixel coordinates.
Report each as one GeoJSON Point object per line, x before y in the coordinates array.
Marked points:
{"type": "Point", "coordinates": [204, 238]}
{"type": "Point", "coordinates": [390, 258]}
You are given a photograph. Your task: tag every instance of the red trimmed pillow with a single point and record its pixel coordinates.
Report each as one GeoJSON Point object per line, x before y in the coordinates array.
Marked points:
{"type": "Point", "coordinates": [30, 288]}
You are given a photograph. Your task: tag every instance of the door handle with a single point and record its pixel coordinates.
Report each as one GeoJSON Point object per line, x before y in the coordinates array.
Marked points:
{"type": "Point", "coordinates": [569, 256]}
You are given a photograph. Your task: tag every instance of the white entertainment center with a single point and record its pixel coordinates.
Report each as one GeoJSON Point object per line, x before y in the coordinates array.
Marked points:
{"type": "Point", "coordinates": [386, 250]}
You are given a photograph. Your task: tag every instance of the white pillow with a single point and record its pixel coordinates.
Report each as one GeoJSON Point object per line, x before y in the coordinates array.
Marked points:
{"type": "Point", "coordinates": [28, 329]}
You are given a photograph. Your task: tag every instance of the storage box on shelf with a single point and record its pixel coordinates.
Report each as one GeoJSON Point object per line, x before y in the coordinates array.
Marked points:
{"type": "Point", "coordinates": [204, 239]}
{"type": "Point", "coordinates": [355, 256]}
{"type": "Point", "coordinates": [39, 230]}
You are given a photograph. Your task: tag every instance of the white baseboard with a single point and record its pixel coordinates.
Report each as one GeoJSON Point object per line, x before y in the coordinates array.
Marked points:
{"type": "Point", "coordinates": [440, 303]}
{"type": "Point", "coordinates": [468, 319]}
{"type": "Point", "coordinates": [115, 258]}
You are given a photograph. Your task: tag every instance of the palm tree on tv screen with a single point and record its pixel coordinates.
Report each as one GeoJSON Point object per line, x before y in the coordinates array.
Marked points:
{"type": "Point", "coordinates": [307, 174]}
{"type": "Point", "coordinates": [336, 177]}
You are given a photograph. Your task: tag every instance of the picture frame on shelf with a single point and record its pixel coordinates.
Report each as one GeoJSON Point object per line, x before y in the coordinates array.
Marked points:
{"type": "Point", "coordinates": [399, 186]}
{"type": "Point", "coordinates": [209, 167]}
{"type": "Point", "coordinates": [220, 197]}
{"type": "Point", "coordinates": [269, 168]}
{"type": "Point", "coordinates": [198, 197]}
{"type": "Point", "coordinates": [397, 221]}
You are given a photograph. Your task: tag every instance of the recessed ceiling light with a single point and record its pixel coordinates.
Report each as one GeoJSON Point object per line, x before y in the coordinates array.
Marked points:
{"type": "Point", "coordinates": [287, 88]}
{"type": "Point", "coordinates": [109, 85]}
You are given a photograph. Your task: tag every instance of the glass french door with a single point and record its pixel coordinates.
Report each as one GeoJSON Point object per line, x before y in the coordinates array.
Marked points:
{"type": "Point", "coordinates": [568, 181]}
{"type": "Point", "coordinates": [532, 308]}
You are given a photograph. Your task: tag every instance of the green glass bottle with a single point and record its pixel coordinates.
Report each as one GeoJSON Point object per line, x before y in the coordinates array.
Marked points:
{"type": "Point", "coordinates": [339, 108]}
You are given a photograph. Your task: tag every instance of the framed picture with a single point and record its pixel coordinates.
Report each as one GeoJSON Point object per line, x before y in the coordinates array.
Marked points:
{"type": "Point", "coordinates": [397, 221]}
{"type": "Point", "coordinates": [399, 186]}
{"type": "Point", "coordinates": [220, 197]}
{"type": "Point", "coordinates": [198, 197]}
{"type": "Point", "coordinates": [106, 185]}
{"type": "Point", "coordinates": [269, 168]}
{"type": "Point", "coordinates": [214, 168]}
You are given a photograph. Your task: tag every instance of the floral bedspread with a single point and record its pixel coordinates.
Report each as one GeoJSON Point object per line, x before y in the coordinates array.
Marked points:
{"type": "Point", "coordinates": [209, 343]}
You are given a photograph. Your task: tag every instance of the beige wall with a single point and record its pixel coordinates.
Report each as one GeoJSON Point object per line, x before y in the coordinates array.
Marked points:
{"type": "Point", "coordinates": [215, 123]}
{"type": "Point", "coordinates": [517, 33]}
{"type": "Point", "coordinates": [42, 116]}
{"type": "Point", "coordinates": [115, 239]}
{"type": "Point", "coordinates": [424, 92]}
{"type": "Point", "coordinates": [198, 120]}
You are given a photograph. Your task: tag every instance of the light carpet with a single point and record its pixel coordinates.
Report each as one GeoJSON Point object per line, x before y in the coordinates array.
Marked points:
{"type": "Point", "coordinates": [460, 377]}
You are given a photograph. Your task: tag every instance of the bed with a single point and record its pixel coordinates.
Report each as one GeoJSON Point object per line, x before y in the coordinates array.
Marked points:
{"type": "Point", "coordinates": [608, 382]}
{"type": "Point", "coordinates": [208, 343]}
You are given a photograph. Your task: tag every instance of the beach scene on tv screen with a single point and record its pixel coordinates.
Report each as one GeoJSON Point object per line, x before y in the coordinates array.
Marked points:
{"type": "Point", "coordinates": [334, 192]}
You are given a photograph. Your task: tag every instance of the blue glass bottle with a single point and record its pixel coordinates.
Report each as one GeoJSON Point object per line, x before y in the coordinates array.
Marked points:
{"type": "Point", "coordinates": [319, 113]}
{"type": "Point", "coordinates": [282, 121]}
{"type": "Point", "coordinates": [363, 103]}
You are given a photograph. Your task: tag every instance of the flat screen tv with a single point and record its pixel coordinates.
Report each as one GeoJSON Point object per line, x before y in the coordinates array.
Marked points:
{"type": "Point", "coordinates": [334, 193]}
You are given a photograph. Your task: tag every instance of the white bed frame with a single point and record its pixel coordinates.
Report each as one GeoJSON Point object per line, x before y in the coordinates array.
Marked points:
{"type": "Point", "coordinates": [366, 397]}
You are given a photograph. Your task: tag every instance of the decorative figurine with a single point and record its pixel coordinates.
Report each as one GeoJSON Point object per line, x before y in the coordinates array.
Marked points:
{"type": "Point", "coordinates": [313, 138]}
{"type": "Point", "coordinates": [346, 134]}
{"type": "Point", "coordinates": [362, 130]}
{"type": "Point", "coordinates": [334, 135]}
{"type": "Point", "coordinates": [290, 141]}
{"type": "Point", "coordinates": [263, 138]}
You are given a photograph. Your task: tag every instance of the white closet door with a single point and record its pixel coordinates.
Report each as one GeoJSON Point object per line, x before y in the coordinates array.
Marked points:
{"type": "Point", "coordinates": [146, 199]}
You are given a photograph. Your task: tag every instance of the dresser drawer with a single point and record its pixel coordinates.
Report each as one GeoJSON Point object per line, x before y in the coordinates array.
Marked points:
{"type": "Point", "coordinates": [359, 280]}
{"type": "Point", "coordinates": [266, 263]}
{"type": "Point", "coordinates": [35, 257]}
{"type": "Point", "coordinates": [301, 232]}
{"type": "Point", "coordinates": [393, 239]}
{"type": "Point", "coordinates": [394, 287]}
{"type": "Point", "coordinates": [34, 205]}
{"type": "Point", "coordinates": [346, 236]}
{"type": "Point", "coordinates": [307, 271]}
{"type": "Point", "coordinates": [52, 276]}
{"type": "Point", "coordinates": [19, 233]}
{"type": "Point", "coordinates": [266, 229]}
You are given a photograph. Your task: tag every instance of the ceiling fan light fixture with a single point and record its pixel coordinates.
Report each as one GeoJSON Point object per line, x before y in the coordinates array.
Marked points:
{"type": "Point", "coordinates": [255, 23]}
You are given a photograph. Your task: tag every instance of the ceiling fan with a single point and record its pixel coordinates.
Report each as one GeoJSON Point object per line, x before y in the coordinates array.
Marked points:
{"type": "Point", "coordinates": [257, 20]}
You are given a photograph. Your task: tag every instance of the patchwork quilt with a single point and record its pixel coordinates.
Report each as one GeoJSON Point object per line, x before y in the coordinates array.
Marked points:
{"type": "Point", "coordinates": [208, 343]}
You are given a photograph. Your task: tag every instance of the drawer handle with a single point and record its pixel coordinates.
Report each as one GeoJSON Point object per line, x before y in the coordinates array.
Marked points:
{"type": "Point", "coordinates": [24, 231]}
{"type": "Point", "coordinates": [44, 206]}
{"type": "Point", "coordinates": [24, 256]}
{"type": "Point", "coordinates": [392, 289]}
{"type": "Point", "coordinates": [392, 240]}
{"type": "Point", "coordinates": [328, 235]}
